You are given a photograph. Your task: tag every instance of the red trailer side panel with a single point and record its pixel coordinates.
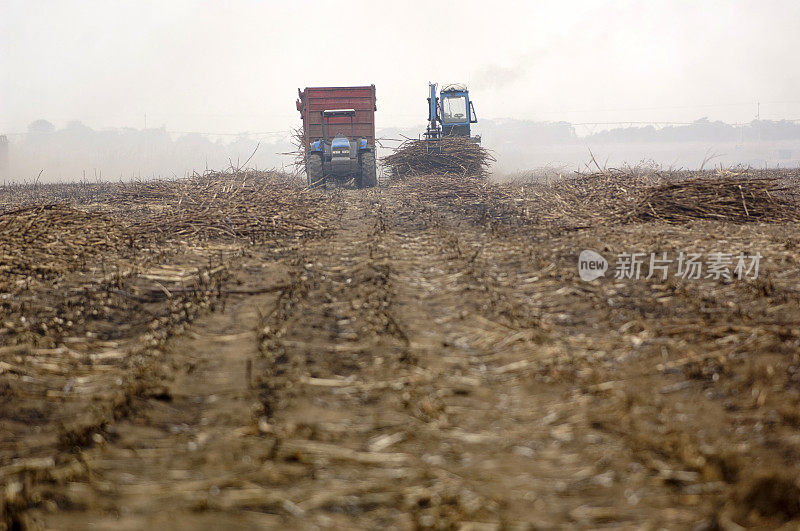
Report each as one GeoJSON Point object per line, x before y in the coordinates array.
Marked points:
{"type": "Point", "coordinates": [313, 100]}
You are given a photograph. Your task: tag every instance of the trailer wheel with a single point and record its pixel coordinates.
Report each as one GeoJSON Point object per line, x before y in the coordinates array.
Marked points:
{"type": "Point", "coordinates": [369, 175]}
{"type": "Point", "coordinates": [314, 170]}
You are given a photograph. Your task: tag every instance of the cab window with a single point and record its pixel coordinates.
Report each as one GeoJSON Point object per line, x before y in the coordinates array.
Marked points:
{"type": "Point", "coordinates": [454, 109]}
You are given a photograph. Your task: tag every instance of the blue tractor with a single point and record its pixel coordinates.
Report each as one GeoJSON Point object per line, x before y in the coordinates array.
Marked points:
{"type": "Point", "coordinates": [339, 134]}
{"type": "Point", "coordinates": [341, 158]}
{"type": "Point", "coordinates": [449, 114]}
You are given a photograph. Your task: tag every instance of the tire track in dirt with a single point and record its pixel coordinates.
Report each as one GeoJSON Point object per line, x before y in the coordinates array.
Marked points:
{"type": "Point", "coordinates": [177, 449]}
{"type": "Point", "coordinates": [76, 392]}
{"type": "Point", "coordinates": [451, 431]}
{"type": "Point", "coordinates": [505, 343]}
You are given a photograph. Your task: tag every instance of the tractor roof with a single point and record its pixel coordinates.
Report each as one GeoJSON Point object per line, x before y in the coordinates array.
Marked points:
{"type": "Point", "coordinates": [454, 87]}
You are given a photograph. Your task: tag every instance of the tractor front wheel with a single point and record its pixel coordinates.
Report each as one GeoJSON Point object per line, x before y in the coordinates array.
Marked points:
{"type": "Point", "coordinates": [369, 174]}
{"type": "Point", "coordinates": [314, 170]}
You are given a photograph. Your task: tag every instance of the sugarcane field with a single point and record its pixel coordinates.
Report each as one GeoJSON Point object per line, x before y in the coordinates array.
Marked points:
{"type": "Point", "coordinates": [458, 322]}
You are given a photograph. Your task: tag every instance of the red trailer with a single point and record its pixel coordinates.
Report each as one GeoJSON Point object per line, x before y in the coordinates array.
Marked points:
{"type": "Point", "coordinates": [339, 133]}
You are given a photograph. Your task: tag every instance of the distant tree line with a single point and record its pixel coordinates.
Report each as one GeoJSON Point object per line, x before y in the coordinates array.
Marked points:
{"type": "Point", "coordinates": [701, 130]}
{"type": "Point", "coordinates": [77, 150]}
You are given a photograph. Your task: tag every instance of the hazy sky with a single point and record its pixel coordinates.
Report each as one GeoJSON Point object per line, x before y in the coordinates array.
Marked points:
{"type": "Point", "coordinates": [236, 65]}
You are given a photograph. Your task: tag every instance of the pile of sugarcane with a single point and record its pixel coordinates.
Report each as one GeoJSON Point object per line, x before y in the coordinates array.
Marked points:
{"type": "Point", "coordinates": [43, 241]}
{"type": "Point", "coordinates": [452, 155]}
{"type": "Point", "coordinates": [735, 198]}
{"type": "Point", "coordinates": [252, 205]}
{"type": "Point", "coordinates": [675, 197]}
{"type": "Point", "coordinates": [249, 205]}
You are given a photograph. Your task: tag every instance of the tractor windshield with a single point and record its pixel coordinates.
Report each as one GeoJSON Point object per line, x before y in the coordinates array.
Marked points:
{"type": "Point", "coordinates": [454, 109]}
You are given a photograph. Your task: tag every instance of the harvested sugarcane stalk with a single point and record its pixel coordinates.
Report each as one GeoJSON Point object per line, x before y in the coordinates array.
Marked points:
{"type": "Point", "coordinates": [736, 199]}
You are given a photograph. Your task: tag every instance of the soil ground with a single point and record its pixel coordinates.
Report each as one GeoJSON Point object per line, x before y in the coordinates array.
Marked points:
{"type": "Point", "coordinates": [424, 365]}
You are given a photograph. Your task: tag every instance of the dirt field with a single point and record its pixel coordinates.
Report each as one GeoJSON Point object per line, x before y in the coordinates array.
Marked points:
{"type": "Point", "coordinates": [238, 351]}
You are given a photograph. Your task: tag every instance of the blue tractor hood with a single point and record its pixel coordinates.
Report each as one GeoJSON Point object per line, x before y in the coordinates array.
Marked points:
{"type": "Point", "coordinates": [340, 142]}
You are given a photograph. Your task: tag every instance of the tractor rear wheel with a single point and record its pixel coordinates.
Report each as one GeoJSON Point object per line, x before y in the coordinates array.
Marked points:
{"type": "Point", "coordinates": [314, 170]}
{"type": "Point", "coordinates": [369, 175]}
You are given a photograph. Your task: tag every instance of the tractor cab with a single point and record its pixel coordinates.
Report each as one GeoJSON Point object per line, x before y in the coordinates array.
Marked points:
{"type": "Point", "coordinates": [449, 114]}
{"type": "Point", "coordinates": [457, 112]}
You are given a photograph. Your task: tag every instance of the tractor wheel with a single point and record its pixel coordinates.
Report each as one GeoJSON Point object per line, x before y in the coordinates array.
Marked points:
{"type": "Point", "coordinates": [369, 175]}
{"type": "Point", "coordinates": [314, 170]}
